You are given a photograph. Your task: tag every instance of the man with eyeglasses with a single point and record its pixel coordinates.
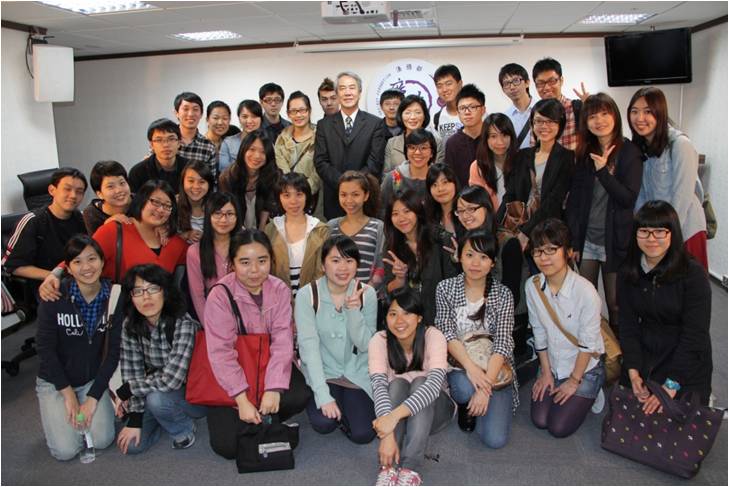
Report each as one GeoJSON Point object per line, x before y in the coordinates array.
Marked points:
{"type": "Point", "coordinates": [460, 149]}
{"type": "Point", "coordinates": [193, 146]}
{"type": "Point", "coordinates": [547, 74]}
{"type": "Point", "coordinates": [514, 81]}
{"type": "Point", "coordinates": [165, 163]}
{"type": "Point", "coordinates": [448, 83]}
{"type": "Point", "coordinates": [350, 140]}
{"type": "Point", "coordinates": [271, 97]}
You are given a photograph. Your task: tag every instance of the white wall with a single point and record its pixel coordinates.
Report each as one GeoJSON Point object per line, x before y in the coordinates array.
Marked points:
{"type": "Point", "coordinates": [705, 121]}
{"type": "Point", "coordinates": [117, 99]}
{"type": "Point", "coordinates": [28, 134]}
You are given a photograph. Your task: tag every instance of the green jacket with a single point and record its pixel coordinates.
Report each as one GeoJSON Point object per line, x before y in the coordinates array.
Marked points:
{"type": "Point", "coordinates": [304, 164]}
{"type": "Point", "coordinates": [334, 344]}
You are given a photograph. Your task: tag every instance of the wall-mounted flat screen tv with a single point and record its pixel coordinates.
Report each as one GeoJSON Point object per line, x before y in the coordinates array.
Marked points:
{"type": "Point", "coordinates": [649, 58]}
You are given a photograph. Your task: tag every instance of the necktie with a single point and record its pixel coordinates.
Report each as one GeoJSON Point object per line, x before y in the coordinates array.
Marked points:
{"type": "Point", "coordinates": [348, 126]}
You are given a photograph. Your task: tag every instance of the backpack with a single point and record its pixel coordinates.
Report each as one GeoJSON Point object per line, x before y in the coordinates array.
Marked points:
{"type": "Point", "coordinates": [436, 119]}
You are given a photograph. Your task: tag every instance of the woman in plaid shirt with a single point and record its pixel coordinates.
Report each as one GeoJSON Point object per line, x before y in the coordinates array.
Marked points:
{"type": "Point", "coordinates": [475, 301]}
{"type": "Point", "coordinates": [157, 342]}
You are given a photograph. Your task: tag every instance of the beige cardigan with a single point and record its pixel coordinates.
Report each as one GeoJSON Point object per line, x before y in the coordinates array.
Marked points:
{"type": "Point", "coordinates": [285, 147]}
{"type": "Point", "coordinates": [311, 268]}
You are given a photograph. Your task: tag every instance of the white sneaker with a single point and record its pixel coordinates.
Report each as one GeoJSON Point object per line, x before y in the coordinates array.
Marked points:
{"type": "Point", "coordinates": [387, 476]}
{"type": "Point", "coordinates": [599, 403]}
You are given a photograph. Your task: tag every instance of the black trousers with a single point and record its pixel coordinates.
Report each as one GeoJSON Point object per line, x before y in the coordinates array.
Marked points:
{"type": "Point", "coordinates": [223, 422]}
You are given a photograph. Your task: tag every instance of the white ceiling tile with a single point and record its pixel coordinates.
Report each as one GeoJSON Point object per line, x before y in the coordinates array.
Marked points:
{"type": "Point", "coordinates": [185, 4]}
{"type": "Point", "coordinates": [291, 9]}
{"type": "Point", "coordinates": [140, 17]}
{"type": "Point", "coordinates": [68, 24]}
{"type": "Point", "coordinates": [22, 11]}
{"type": "Point", "coordinates": [227, 11]}
{"type": "Point", "coordinates": [547, 16]}
{"type": "Point", "coordinates": [691, 13]}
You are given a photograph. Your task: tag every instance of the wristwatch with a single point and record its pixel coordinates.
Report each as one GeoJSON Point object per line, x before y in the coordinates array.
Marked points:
{"type": "Point", "coordinates": [672, 385]}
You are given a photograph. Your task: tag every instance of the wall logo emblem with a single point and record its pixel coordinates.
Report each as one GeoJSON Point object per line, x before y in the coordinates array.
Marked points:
{"type": "Point", "coordinates": [411, 77]}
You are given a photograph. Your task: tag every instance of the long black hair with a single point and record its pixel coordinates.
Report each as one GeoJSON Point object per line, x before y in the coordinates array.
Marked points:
{"type": "Point", "coordinates": [658, 214]}
{"type": "Point", "coordinates": [409, 300]}
{"type": "Point", "coordinates": [207, 241]}
{"type": "Point", "coordinates": [433, 209]}
{"type": "Point", "coordinates": [246, 237]}
{"type": "Point", "coordinates": [588, 142]}
{"type": "Point", "coordinates": [268, 174]}
{"type": "Point", "coordinates": [485, 156]}
{"type": "Point", "coordinates": [476, 195]}
{"type": "Point", "coordinates": [184, 205]}
{"type": "Point", "coordinates": [397, 242]}
{"type": "Point", "coordinates": [174, 303]}
{"type": "Point", "coordinates": [482, 242]}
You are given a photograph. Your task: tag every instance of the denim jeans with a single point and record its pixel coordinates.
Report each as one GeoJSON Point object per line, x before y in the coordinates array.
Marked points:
{"type": "Point", "coordinates": [63, 440]}
{"type": "Point", "coordinates": [358, 412]}
{"type": "Point", "coordinates": [494, 428]}
{"type": "Point", "coordinates": [169, 411]}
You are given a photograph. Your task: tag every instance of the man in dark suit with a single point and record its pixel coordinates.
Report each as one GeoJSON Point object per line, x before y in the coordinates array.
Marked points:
{"type": "Point", "coordinates": [349, 139]}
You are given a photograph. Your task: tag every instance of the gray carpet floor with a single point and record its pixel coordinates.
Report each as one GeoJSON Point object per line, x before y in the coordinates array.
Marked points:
{"type": "Point", "coordinates": [531, 457]}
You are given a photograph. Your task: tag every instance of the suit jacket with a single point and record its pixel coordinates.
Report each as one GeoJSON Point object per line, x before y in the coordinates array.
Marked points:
{"type": "Point", "coordinates": [335, 153]}
{"type": "Point", "coordinates": [555, 184]}
{"type": "Point", "coordinates": [622, 189]}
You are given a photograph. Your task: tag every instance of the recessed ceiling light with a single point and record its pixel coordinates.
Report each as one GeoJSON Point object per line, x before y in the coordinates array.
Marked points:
{"type": "Point", "coordinates": [626, 19]}
{"type": "Point", "coordinates": [94, 7]}
{"type": "Point", "coordinates": [407, 24]}
{"type": "Point", "coordinates": [213, 35]}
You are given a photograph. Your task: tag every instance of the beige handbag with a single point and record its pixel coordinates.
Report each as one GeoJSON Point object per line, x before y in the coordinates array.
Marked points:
{"type": "Point", "coordinates": [479, 348]}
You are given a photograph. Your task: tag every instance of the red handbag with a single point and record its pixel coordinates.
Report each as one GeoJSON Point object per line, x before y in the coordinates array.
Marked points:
{"type": "Point", "coordinates": [253, 355]}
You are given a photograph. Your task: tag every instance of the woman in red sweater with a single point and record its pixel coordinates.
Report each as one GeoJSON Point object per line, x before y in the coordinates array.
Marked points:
{"type": "Point", "coordinates": [154, 207]}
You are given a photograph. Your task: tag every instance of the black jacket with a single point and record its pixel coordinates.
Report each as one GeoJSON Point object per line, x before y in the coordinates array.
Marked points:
{"type": "Point", "coordinates": [622, 189]}
{"type": "Point", "coordinates": [149, 169]}
{"type": "Point", "coordinates": [664, 328]}
{"type": "Point", "coordinates": [555, 184]}
{"type": "Point", "coordinates": [335, 153]}
{"type": "Point", "coordinates": [68, 356]}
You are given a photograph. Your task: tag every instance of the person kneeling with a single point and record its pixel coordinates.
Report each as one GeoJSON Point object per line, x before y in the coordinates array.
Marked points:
{"type": "Point", "coordinates": [407, 363]}
{"type": "Point", "coordinates": [157, 343]}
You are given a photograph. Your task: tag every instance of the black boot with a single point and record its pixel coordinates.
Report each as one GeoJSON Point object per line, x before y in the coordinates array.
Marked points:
{"type": "Point", "coordinates": [466, 422]}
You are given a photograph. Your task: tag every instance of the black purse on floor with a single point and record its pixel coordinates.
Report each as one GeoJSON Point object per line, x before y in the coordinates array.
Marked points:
{"type": "Point", "coordinates": [266, 446]}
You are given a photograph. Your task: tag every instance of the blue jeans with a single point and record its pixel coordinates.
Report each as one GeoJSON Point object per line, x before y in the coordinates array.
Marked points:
{"type": "Point", "coordinates": [358, 412]}
{"type": "Point", "coordinates": [169, 411]}
{"type": "Point", "coordinates": [493, 429]}
{"type": "Point", "coordinates": [63, 440]}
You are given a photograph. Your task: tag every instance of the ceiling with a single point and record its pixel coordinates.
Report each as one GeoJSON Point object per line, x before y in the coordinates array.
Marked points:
{"type": "Point", "coordinates": [288, 22]}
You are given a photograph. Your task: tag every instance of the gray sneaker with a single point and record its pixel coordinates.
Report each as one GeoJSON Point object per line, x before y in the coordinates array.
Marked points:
{"type": "Point", "coordinates": [186, 442]}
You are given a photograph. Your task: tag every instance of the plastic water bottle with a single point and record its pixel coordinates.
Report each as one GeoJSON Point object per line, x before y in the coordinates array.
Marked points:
{"type": "Point", "coordinates": [88, 453]}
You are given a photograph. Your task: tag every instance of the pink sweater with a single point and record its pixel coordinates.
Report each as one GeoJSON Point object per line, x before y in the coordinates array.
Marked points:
{"type": "Point", "coordinates": [196, 283]}
{"type": "Point", "coordinates": [475, 179]}
{"type": "Point", "coordinates": [436, 355]}
{"type": "Point", "coordinates": [274, 318]}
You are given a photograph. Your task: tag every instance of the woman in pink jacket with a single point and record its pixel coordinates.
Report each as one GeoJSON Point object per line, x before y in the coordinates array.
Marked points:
{"type": "Point", "coordinates": [264, 302]}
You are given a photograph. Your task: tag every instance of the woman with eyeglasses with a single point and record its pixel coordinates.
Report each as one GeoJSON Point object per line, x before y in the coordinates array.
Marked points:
{"type": "Point", "coordinates": [664, 306]}
{"type": "Point", "coordinates": [497, 148]}
{"type": "Point", "coordinates": [295, 147]}
{"type": "Point", "coordinates": [250, 115]}
{"type": "Point", "coordinates": [413, 258]}
{"type": "Point", "coordinates": [412, 114]}
{"type": "Point", "coordinates": [570, 378]}
{"type": "Point", "coordinates": [542, 174]}
{"type": "Point", "coordinates": [78, 342]}
{"type": "Point", "coordinates": [602, 197]}
{"type": "Point", "coordinates": [410, 175]}
{"type": "Point", "coordinates": [156, 349]}
{"type": "Point", "coordinates": [671, 168]}
{"type": "Point", "coordinates": [207, 260]}
{"type": "Point", "coordinates": [251, 180]}
{"type": "Point", "coordinates": [154, 208]}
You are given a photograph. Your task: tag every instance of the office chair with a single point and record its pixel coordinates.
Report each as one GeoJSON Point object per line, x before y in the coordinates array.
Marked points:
{"type": "Point", "coordinates": [20, 299]}
{"type": "Point", "coordinates": [35, 187]}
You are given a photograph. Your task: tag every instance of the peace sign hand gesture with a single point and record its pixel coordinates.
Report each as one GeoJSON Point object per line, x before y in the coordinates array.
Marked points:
{"type": "Point", "coordinates": [354, 300]}
{"type": "Point", "coordinates": [601, 160]}
{"type": "Point", "coordinates": [399, 268]}
{"type": "Point", "coordinates": [583, 94]}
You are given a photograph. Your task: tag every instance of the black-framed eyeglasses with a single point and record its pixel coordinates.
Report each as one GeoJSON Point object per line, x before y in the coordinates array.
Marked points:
{"type": "Point", "coordinates": [546, 250]}
{"type": "Point", "coordinates": [138, 292]}
{"type": "Point", "coordinates": [657, 233]}
{"type": "Point", "coordinates": [160, 205]}
{"type": "Point", "coordinates": [511, 83]}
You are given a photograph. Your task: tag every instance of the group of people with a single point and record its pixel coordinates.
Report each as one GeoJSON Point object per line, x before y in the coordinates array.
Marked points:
{"type": "Point", "coordinates": [375, 253]}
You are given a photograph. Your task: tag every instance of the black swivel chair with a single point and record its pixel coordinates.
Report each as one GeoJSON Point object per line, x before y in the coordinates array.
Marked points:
{"type": "Point", "coordinates": [35, 187]}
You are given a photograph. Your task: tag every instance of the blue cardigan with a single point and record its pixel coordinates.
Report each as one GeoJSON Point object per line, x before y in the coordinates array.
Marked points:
{"type": "Point", "coordinates": [334, 344]}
